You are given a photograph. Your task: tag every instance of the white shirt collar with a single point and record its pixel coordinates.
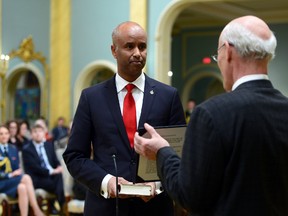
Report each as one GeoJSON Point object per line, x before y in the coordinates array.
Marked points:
{"type": "Point", "coordinates": [3, 146]}
{"type": "Point", "coordinates": [38, 145]}
{"type": "Point", "coordinates": [121, 83]}
{"type": "Point", "coordinates": [249, 78]}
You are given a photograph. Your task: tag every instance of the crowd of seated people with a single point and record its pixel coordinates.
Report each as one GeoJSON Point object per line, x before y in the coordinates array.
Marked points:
{"type": "Point", "coordinates": [13, 181]}
{"type": "Point", "coordinates": [42, 168]}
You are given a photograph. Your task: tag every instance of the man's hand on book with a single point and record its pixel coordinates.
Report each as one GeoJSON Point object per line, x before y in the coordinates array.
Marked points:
{"type": "Point", "coordinates": [112, 186]}
{"type": "Point", "coordinates": [153, 191]}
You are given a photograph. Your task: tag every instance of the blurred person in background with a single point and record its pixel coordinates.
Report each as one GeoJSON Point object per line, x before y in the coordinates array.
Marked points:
{"type": "Point", "coordinates": [23, 134]}
{"type": "Point", "coordinates": [60, 133]}
{"type": "Point", "coordinates": [41, 163]}
{"type": "Point", "coordinates": [13, 129]}
{"type": "Point", "coordinates": [189, 109]}
{"type": "Point", "coordinates": [13, 182]}
{"type": "Point", "coordinates": [42, 121]}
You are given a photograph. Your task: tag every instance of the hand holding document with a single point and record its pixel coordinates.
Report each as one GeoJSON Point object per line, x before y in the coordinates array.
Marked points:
{"type": "Point", "coordinates": [174, 135]}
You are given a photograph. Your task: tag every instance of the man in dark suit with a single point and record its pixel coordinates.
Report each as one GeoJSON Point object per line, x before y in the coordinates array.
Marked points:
{"type": "Point", "coordinates": [98, 120]}
{"type": "Point", "coordinates": [41, 163]}
{"type": "Point", "coordinates": [234, 159]}
{"type": "Point", "coordinates": [60, 133]}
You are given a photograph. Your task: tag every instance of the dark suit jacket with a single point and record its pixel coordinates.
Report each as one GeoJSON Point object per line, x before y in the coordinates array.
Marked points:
{"type": "Point", "coordinates": [59, 132]}
{"type": "Point", "coordinates": [9, 185]}
{"type": "Point", "coordinates": [32, 163]}
{"type": "Point", "coordinates": [98, 120]}
{"type": "Point", "coordinates": [14, 160]}
{"type": "Point", "coordinates": [235, 156]}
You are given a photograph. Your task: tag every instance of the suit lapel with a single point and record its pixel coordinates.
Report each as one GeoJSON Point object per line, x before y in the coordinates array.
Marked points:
{"type": "Point", "coordinates": [111, 93]}
{"type": "Point", "coordinates": [34, 151]}
{"type": "Point", "coordinates": [149, 95]}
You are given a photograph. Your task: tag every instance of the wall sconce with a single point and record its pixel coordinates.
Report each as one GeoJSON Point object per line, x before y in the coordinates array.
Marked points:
{"type": "Point", "coordinates": [4, 63]}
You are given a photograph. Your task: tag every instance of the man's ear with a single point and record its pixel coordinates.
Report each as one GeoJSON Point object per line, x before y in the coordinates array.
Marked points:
{"type": "Point", "coordinates": [113, 50]}
{"type": "Point", "coordinates": [229, 51]}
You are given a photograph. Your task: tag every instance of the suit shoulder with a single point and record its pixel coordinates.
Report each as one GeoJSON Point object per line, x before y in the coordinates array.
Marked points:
{"type": "Point", "coordinates": [152, 82]}
{"type": "Point", "coordinates": [99, 87]}
{"type": "Point", "coordinates": [225, 102]}
{"type": "Point", "coordinates": [13, 147]}
{"type": "Point", "coordinates": [27, 146]}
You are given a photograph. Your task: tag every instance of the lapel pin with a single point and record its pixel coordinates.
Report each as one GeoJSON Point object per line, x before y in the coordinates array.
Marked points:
{"type": "Point", "coordinates": [151, 92]}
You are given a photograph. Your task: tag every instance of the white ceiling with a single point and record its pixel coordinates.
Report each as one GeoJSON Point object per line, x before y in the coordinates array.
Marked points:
{"type": "Point", "coordinates": [215, 13]}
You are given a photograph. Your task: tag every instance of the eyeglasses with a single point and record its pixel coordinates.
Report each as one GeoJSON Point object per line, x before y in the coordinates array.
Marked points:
{"type": "Point", "coordinates": [215, 56]}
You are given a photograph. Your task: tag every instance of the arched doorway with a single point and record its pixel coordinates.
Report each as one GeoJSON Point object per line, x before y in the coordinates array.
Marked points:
{"type": "Point", "coordinates": [25, 90]}
{"type": "Point", "coordinates": [101, 75]}
{"type": "Point", "coordinates": [201, 83]}
{"type": "Point", "coordinates": [25, 93]}
{"type": "Point", "coordinates": [92, 74]}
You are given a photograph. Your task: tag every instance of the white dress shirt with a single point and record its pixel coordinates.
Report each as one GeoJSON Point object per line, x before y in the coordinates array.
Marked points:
{"type": "Point", "coordinates": [43, 152]}
{"type": "Point", "coordinates": [4, 147]}
{"type": "Point", "coordinates": [138, 95]}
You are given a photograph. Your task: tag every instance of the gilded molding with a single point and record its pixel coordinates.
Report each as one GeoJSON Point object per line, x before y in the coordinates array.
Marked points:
{"type": "Point", "coordinates": [27, 53]}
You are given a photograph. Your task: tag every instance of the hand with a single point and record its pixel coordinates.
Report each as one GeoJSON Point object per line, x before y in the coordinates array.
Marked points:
{"type": "Point", "coordinates": [16, 172]}
{"type": "Point", "coordinates": [149, 147]}
{"type": "Point", "coordinates": [57, 170]}
{"type": "Point", "coordinates": [153, 191]}
{"type": "Point", "coordinates": [112, 186]}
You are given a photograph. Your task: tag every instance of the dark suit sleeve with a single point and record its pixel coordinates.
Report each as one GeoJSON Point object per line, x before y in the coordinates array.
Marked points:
{"type": "Point", "coordinates": [195, 180]}
{"type": "Point", "coordinates": [78, 152]}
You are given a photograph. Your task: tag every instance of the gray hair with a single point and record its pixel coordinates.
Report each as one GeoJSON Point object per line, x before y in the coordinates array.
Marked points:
{"type": "Point", "coordinates": [247, 44]}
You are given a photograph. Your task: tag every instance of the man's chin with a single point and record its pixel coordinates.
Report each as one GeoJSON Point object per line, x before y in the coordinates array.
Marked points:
{"type": "Point", "coordinates": [136, 67]}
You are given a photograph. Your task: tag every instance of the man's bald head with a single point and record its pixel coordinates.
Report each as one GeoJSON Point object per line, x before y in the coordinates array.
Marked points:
{"type": "Point", "coordinates": [251, 37]}
{"type": "Point", "coordinates": [124, 27]}
{"type": "Point", "coordinates": [255, 25]}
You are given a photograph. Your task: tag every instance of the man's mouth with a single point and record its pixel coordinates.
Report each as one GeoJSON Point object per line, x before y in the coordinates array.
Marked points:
{"type": "Point", "coordinates": [136, 62]}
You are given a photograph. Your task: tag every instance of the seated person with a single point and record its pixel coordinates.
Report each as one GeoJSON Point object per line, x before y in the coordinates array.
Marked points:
{"type": "Point", "coordinates": [60, 132]}
{"type": "Point", "coordinates": [23, 134]}
{"type": "Point", "coordinates": [12, 181]}
{"type": "Point", "coordinates": [41, 163]}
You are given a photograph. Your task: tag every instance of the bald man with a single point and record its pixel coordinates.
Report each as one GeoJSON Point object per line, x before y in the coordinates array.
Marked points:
{"type": "Point", "coordinates": [235, 155]}
{"type": "Point", "coordinates": [99, 120]}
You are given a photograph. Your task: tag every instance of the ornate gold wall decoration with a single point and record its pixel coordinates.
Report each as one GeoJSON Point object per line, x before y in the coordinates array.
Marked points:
{"type": "Point", "coordinates": [27, 54]}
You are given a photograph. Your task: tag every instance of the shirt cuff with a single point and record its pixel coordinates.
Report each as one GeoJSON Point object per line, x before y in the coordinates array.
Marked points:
{"type": "Point", "coordinates": [104, 186]}
{"type": "Point", "coordinates": [158, 187]}
{"type": "Point", "coordinates": [51, 171]}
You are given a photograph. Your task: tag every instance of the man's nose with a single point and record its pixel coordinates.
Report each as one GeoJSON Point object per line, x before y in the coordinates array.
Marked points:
{"type": "Point", "coordinates": [136, 52]}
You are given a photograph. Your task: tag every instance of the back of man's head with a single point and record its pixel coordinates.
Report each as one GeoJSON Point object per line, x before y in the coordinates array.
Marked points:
{"type": "Point", "coordinates": [251, 38]}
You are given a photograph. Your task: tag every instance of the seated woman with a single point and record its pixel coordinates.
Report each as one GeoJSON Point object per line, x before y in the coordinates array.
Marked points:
{"type": "Point", "coordinates": [12, 181]}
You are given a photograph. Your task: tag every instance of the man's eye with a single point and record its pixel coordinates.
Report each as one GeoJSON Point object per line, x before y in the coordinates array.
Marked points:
{"type": "Point", "coordinates": [130, 46]}
{"type": "Point", "coordinates": [142, 47]}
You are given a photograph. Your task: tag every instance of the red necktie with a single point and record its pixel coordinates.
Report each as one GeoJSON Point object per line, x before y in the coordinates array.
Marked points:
{"type": "Point", "coordinates": [129, 114]}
